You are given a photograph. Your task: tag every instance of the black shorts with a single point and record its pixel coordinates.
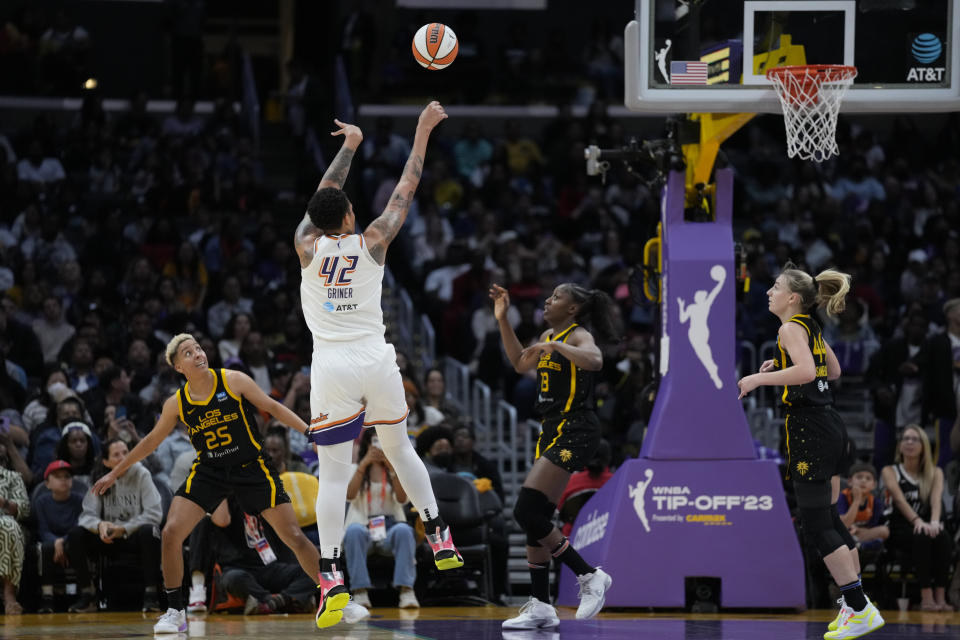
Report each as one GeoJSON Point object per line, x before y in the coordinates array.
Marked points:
{"type": "Point", "coordinates": [569, 441]}
{"type": "Point", "coordinates": [817, 444]}
{"type": "Point", "coordinates": [256, 485]}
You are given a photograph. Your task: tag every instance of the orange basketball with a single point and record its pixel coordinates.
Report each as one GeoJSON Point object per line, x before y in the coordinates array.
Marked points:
{"type": "Point", "coordinates": [435, 46]}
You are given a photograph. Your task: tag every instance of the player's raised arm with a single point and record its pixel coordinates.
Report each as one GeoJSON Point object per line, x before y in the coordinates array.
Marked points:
{"type": "Point", "coordinates": [384, 229]}
{"type": "Point", "coordinates": [334, 177]}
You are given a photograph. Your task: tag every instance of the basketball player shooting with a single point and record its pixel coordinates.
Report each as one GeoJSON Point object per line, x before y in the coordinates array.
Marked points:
{"type": "Point", "coordinates": [355, 381]}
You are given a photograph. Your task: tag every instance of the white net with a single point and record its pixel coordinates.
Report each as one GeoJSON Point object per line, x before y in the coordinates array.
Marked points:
{"type": "Point", "coordinates": [811, 97]}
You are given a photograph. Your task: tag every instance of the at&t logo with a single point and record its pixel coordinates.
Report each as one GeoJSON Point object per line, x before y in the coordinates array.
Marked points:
{"type": "Point", "coordinates": [926, 49]}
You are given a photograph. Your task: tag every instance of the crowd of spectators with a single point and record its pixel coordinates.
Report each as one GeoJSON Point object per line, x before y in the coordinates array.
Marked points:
{"type": "Point", "coordinates": [119, 230]}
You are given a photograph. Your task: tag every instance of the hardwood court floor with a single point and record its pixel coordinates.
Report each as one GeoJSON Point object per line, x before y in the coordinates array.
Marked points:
{"type": "Point", "coordinates": [476, 623]}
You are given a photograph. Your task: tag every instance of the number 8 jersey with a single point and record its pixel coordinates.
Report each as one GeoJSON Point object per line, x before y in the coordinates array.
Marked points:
{"type": "Point", "coordinates": [340, 290]}
{"type": "Point", "coordinates": [222, 427]}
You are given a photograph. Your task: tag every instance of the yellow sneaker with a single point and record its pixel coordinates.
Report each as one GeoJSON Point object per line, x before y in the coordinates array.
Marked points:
{"type": "Point", "coordinates": [445, 554]}
{"type": "Point", "coordinates": [857, 624]}
{"type": "Point", "coordinates": [333, 596]}
{"type": "Point", "coordinates": [841, 615]}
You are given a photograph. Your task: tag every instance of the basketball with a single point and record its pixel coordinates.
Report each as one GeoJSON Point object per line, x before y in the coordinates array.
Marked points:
{"type": "Point", "coordinates": [717, 272]}
{"type": "Point", "coordinates": [435, 46]}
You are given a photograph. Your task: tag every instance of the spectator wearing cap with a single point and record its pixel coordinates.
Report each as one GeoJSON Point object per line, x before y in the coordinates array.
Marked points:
{"type": "Point", "coordinates": [14, 509]}
{"type": "Point", "coordinates": [57, 510]}
{"type": "Point", "coordinates": [940, 365]}
{"type": "Point", "coordinates": [77, 448]}
{"type": "Point", "coordinates": [862, 510]}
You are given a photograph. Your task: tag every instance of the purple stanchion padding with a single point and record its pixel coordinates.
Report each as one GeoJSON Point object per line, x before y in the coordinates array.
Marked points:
{"type": "Point", "coordinates": [698, 502]}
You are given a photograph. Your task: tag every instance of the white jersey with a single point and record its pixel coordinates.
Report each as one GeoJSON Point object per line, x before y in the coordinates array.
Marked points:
{"type": "Point", "coordinates": [340, 290]}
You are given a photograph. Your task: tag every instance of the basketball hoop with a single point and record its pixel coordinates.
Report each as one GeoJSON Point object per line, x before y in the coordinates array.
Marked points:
{"type": "Point", "coordinates": [810, 96]}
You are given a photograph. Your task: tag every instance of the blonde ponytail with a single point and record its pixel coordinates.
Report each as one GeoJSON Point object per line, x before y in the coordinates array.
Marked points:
{"type": "Point", "coordinates": [832, 289]}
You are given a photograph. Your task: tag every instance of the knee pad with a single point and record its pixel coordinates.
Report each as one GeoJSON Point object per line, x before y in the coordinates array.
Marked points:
{"type": "Point", "coordinates": [530, 513]}
{"type": "Point", "coordinates": [819, 530]}
{"type": "Point", "coordinates": [841, 528]}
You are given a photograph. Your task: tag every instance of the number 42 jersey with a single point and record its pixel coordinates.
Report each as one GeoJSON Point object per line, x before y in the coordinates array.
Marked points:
{"type": "Point", "coordinates": [340, 290]}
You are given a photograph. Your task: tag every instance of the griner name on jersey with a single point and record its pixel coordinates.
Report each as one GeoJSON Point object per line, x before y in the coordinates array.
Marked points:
{"type": "Point", "coordinates": [339, 293]}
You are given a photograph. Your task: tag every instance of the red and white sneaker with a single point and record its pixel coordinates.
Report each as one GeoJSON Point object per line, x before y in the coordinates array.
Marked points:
{"type": "Point", "coordinates": [198, 599]}
{"type": "Point", "coordinates": [333, 597]}
{"type": "Point", "coordinates": [445, 555]}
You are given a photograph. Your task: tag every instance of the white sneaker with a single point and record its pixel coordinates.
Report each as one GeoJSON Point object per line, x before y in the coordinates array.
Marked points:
{"type": "Point", "coordinates": [361, 598]}
{"type": "Point", "coordinates": [842, 615]}
{"type": "Point", "coordinates": [172, 621]}
{"type": "Point", "coordinates": [534, 615]}
{"type": "Point", "coordinates": [355, 612]}
{"type": "Point", "coordinates": [198, 599]}
{"type": "Point", "coordinates": [408, 599]}
{"type": "Point", "coordinates": [593, 587]}
{"type": "Point", "coordinates": [857, 624]}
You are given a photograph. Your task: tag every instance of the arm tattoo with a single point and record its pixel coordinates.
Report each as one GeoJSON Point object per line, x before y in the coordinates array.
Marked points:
{"type": "Point", "coordinates": [305, 229]}
{"type": "Point", "coordinates": [393, 217]}
{"type": "Point", "coordinates": [336, 173]}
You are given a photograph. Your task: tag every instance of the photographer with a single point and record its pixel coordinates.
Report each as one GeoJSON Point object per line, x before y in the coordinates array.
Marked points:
{"type": "Point", "coordinates": [376, 523]}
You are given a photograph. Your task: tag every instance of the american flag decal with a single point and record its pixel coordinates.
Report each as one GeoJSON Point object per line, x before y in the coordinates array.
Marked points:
{"type": "Point", "coordinates": [688, 72]}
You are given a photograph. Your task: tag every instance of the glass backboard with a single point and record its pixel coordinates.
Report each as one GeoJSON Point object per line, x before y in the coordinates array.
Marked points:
{"type": "Point", "coordinates": [711, 55]}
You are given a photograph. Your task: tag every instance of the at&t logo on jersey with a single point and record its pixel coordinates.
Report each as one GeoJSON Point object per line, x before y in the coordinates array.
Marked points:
{"type": "Point", "coordinates": [927, 49]}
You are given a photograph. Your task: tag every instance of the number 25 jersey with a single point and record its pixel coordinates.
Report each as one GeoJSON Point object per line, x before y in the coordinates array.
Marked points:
{"type": "Point", "coordinates": [222, 427]}
{"type": "Point", "coordinates": [340, 290]}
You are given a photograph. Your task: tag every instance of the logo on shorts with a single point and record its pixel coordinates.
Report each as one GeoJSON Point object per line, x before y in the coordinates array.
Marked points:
{"type": "Point", "coordinates": [565, 455]}
{"type": "Point", "coordinates": [821, 385]}
{"type": "Point", "coordinates": [803, 468]}
{"type": "Point", "coordinates": [221, 396]}
{"type": "Point", "coordinates": [320, 418]}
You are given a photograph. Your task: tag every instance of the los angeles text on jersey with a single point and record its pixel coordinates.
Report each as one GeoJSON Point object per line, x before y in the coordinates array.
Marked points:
{"type": "Point", "coordinates": [212, 418]}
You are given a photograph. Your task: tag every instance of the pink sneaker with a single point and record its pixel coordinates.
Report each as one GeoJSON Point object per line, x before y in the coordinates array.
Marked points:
{"type": "Point", "coordinates": [333, 598]}
{"type": "Point", "coordinates": [445, 555]}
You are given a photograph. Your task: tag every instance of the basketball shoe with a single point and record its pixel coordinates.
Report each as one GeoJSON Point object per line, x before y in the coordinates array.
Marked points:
{"type": "Point", "coordinates": [445, 555]}
{"type": "Point", "coordinates": [333, 598]}
{"type": "Point", "coordinates": [172, 621]}
{"type": "Point", "coordinates": [841, 615]}
{"type": "Point", "coordinates": [857, 624]}
{"type": "Point", "coordinates": [198, 599]}
{"type": "Point", "coordinates": [593, 588]}
{"type": "Point", "coordinates": [534, 615]}
{"type": "Point", "coordinates": [354, 612]}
